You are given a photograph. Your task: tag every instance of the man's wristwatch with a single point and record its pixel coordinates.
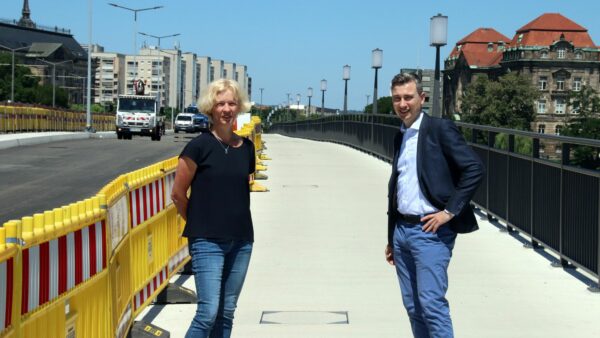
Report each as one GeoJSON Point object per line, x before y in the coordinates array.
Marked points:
{"type": "Point", "coordinates": [448, 213]}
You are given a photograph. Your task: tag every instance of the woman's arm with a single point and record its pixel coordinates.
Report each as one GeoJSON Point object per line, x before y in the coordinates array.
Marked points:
{"type": "Point", "coordinates": [186, 169]}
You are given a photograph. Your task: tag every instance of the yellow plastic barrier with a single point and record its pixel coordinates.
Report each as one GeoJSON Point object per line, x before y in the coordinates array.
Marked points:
{"type": "Point", "coordinates": [87, 269]}
{"type": "Point", "coordinates": [33, 119]}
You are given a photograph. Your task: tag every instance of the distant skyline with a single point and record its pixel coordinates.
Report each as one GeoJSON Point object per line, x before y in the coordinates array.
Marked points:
{"type": "Point", "coordinates": [290, 46]}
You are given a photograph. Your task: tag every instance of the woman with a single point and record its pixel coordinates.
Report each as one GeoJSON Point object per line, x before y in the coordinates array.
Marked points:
{"type": "Point", "coordinates": [218, 225]}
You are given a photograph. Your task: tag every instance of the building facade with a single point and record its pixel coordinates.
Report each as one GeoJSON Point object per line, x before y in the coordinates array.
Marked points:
{"type": "Point", "coordinates": [109, 77]}
{"type": "Point", "coordinates": [190, 85]}
{"type": "Point", "coordinates": [557, 54]}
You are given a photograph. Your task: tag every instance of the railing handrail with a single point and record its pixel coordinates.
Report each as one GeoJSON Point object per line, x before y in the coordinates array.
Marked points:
{"type": "Point", "coordinates": [499, 130]}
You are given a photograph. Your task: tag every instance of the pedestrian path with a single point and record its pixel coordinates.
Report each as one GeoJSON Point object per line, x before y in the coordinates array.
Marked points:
{"type": "Point", "coordinates": [318, 267]}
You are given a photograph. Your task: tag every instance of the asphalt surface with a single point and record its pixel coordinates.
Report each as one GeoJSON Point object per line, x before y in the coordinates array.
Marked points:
{"type": "Point", "coordinates": [45, 176]}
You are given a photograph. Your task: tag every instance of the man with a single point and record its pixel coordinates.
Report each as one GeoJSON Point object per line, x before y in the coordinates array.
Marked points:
{"type": "Point", "coordinates": [434, 175]}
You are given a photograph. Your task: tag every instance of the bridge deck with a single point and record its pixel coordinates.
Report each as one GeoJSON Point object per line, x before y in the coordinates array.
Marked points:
{"type": "Point", "coordinates": [320, 236]}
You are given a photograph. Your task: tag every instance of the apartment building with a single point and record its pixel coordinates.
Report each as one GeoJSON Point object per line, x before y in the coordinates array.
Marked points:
{"type": "Point", "coordinates": [191, 92]}
{"type": "Point", "coordinates": [109, 76]}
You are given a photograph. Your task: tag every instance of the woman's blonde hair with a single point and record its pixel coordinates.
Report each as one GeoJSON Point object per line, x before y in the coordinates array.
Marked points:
{"type": "Point", "coordinates": [208, 98]}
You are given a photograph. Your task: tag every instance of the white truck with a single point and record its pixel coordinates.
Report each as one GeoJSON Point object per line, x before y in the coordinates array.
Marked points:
{"type": "Point", "coordinates": [139, 115]}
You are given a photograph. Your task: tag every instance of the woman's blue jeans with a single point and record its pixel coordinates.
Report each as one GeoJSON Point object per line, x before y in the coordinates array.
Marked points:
{"type": "Point", "coordinates": [219, 268]}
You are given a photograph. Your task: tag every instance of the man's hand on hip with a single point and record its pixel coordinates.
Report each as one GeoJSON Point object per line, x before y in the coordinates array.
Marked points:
{"type": "Point", "coordinates": [434, 221]}
{"type": "Point", "coordinates": [389, 254]}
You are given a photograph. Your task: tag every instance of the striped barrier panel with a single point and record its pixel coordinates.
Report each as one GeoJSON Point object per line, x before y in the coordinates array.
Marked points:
{"type": "Point", "coordinates": [176, 260]}
{"type": "Point", "coordinates": [145, 202]}
{"type": "Point", "coordinates": [6, 293]}
{"type": "Point", "coordinates": [57, 266]}
{"type": "Point", "coordinates": [147, 292]}
{"type": "Point", "coordinates": [169, 181]}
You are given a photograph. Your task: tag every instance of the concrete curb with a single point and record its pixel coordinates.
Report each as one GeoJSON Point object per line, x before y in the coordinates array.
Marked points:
{"type": "Point", "coordinates": [28, 139]}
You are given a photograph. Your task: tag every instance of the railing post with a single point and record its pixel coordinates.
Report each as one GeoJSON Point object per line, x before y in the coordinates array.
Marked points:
{"type": "Point", "coordinates": [491, 138]}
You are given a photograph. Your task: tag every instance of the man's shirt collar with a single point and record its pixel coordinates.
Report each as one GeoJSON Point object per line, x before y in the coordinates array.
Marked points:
{"type": "Point", "coordinates": [415, 126]}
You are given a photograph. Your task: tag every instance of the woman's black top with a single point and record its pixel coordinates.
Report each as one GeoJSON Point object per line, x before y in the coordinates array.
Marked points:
{"type": "Point", "coordinates": [219, 204]}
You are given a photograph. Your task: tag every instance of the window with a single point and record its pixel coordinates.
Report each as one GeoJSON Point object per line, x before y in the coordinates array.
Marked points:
{"type": "Point", "coordinates": [541, 107]}
{"type": "Point", "coordinates": [425, 78]}
{"type": "Point", "coordinates": [577, 84]}
{"type": "Point", "coordinates": [544, 54]}
{"type": "Point", "coordinates": [579, 56]}
{"type": "Point", "coordinates": [557, 129]}
{"type": "Point", "coordinates": [490, 47]}
{"type": "Point", "coordinates": [560, 82]}
{"type": "Point", "coordinates": [543, 83]}
{"type": "Point", "coordinates": [559, 106]}
{"type": "Point", "coordinates": [561, 53]}
{"type": "Point", "coordinates": [541, 128]}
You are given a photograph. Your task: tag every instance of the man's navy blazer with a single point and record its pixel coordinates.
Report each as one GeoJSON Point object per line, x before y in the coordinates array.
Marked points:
{"type": "Point", "coordinates": [449, 173]}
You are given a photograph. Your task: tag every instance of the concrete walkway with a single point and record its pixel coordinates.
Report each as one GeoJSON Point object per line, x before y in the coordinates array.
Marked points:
{"type": "Point", "coordinates": [318, 259]}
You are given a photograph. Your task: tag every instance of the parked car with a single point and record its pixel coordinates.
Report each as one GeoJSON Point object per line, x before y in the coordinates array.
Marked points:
{"type": "Point", "coordinates": [184, 122]}
{"type": "Point", "coordinates": [201, 122]}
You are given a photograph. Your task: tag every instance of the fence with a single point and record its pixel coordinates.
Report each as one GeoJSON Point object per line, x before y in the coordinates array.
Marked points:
{"type": "Point", "coordinates": [530, 182]}
{"type": "Point", "coordinates": [16, 119]}
{"type": "Point", "coordinates": [89, 268]}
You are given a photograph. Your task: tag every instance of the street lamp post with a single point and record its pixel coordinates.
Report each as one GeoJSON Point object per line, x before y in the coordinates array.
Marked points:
{"type": "Point", "coordinates": [261, 90]}
{"type": "Point", "coordinates": [12, 78]}
{"type": "Point", "coordinates": [53, 64]}
{"type": "Point", "coordinates": [438, 35]}
{"type": "Point", "coordinates": [368, 96]}
{"type": "Point", "coordinates": [160, 81]}
{"type": "Point", "coordinates": [346, 77]}
{"type": "Point", "coordinates": [309, 94]}
{"type": "Point", "coordinates": [135, 12]}
{"type": "Point", "coordinates": [287, 105]}
{"type": "Point", "coordinates": [377, 59]}
{"type": "Point", "coordinates": [298, 101]}
{"type": "Point", "coordinates": [323, 89]}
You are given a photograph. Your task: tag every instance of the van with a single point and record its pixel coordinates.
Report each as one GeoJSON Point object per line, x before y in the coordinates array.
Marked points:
{"type": "Point", "coordinates": [184, 122]}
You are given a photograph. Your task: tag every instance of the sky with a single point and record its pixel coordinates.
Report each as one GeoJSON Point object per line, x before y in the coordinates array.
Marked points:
{"type": "Point", "coordinates": [289, 46]}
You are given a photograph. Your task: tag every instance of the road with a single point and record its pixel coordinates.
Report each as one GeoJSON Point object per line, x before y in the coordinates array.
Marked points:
{"type": "Point", "coordinates": [46, 176]}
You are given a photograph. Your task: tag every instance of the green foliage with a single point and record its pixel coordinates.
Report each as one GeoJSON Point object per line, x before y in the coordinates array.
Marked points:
{"type": "Point", "coordinates": [384, 106]}
{"type": "Point", "coordinates": [507, 103]}
{"type": "Point", "coordinates": [27, 88]}
{"type": "Point", "coordinates": [586, 124]}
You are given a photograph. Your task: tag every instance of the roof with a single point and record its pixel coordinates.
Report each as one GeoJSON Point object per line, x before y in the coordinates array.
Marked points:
{"type": "Point", "coordinates": [475, 47]}
{"type": "Point", "coordinates": [14, 36]}
{"type": "Point", "coordinates": [546, 29]}
{"type": "Point", "coordinates": [552, 22]}
{"type": "Point", "coordinates": [483, 35]}
{"type": "Point", "coordinates": [42, 49]}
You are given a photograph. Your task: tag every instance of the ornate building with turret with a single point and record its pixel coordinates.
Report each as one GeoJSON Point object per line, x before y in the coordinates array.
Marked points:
{"type": "Point", "coordinates": [557, 54]}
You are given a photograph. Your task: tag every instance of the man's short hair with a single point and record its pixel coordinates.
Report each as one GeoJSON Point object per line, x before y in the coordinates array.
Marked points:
{"type": "Point", "coordinates": [404, 78]}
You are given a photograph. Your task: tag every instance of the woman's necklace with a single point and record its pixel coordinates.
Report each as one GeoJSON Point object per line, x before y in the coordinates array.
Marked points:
{"type": "Point", "coordinates": [218, 139]}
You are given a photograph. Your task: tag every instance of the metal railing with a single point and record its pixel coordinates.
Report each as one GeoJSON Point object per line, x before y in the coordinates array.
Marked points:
{"type": "Point", "coordinates": [531, 182]}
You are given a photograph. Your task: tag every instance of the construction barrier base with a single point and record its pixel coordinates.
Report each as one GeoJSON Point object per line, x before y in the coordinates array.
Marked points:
{"type": "Point", "coordinates": [260, 176]}
{"type": "Point", "coordinates": [146, 330]}
{"type": "Point", "coordinates": [176, 294]}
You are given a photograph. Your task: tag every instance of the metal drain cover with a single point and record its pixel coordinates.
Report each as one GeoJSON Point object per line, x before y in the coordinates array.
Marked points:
{"type": "Point", "coordinates": [304, 317]}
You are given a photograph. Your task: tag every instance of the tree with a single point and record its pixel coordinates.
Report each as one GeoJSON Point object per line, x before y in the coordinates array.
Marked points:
{"type": "Point", "coordinates": [507, 103]}
{"type": "Point", "coordinates": [584, 123]}
{"type": "Point", "coordinates": [384, 106]}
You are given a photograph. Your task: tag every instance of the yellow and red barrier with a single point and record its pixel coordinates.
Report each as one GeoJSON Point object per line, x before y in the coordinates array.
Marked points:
{"type": "Point", "coordinates": [89, 268]}
{"type": "Point", "coordinates": [17, 119]}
